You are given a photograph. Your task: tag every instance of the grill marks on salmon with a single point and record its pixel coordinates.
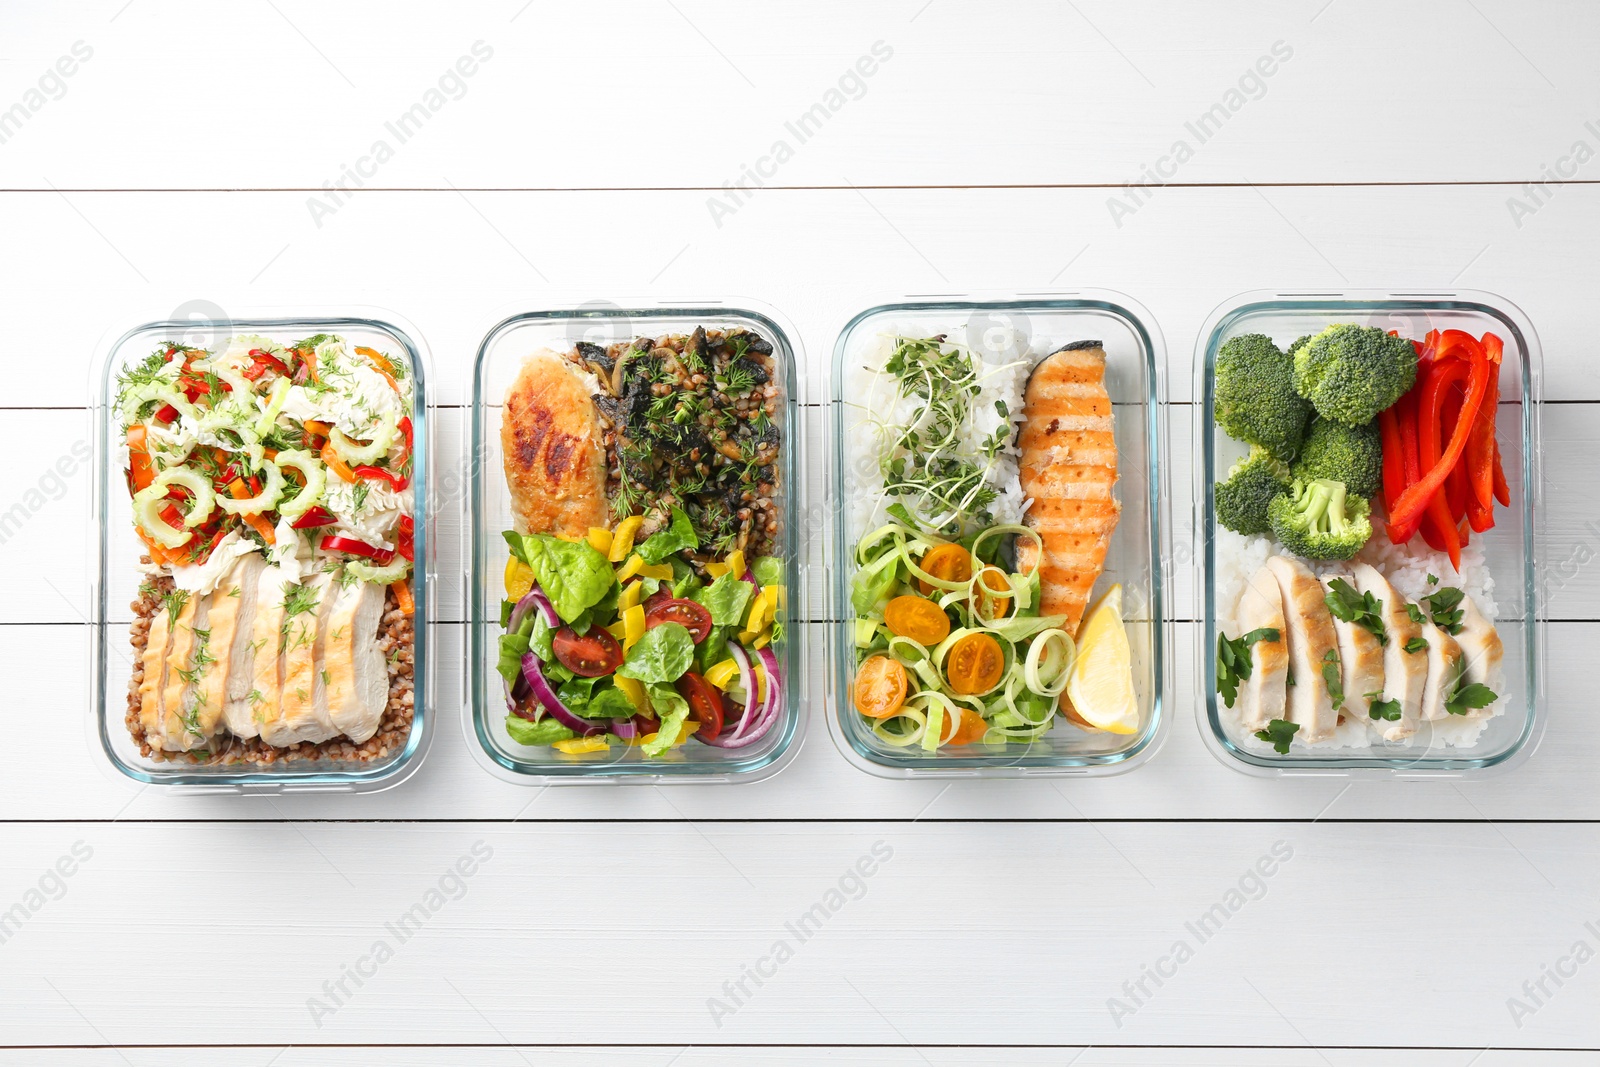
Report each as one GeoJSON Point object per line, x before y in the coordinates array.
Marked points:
{"type": "Point", "coordinates": [1068, 466]}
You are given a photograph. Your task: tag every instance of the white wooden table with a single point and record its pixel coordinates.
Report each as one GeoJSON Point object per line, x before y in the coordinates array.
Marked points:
{"type": "Point", "coordinates": [586, 155]}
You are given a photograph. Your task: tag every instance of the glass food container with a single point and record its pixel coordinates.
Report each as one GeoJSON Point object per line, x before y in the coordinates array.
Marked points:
{"type": "Point", "coordinates": [1001, 330]}
{"type": "Point", "coordinates": [500, 358]}
{"type": "Point", "coordinates": [117, 577]}
{"type": "Point", "coordinates": [1509, 548]}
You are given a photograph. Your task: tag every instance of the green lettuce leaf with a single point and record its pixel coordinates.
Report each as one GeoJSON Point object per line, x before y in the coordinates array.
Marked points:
{"type": "Point", "coordinates": [676, 537]}
{"type": "Point", "coordinates": [660, 656]}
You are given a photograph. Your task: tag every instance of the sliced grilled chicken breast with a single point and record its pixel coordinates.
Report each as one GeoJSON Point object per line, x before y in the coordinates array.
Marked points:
{"type": "Point", "coordinates": [1444, 671]}
{"type": "Point", "coordinates": [1262, 695]}
{"type": "Point", "coordinates": [235, 608]}
{"type": "Point", "coordinates": [260, 702]}
{"type": "Point", "coordinates": [554, 450]}
{"type": "Point", "coordinates": [181, 725]}
{"type": "Point", "coordinates": [1403, 672]}
{"type": "Point", "coordinates": [354, 675]}
{"type": "Point", "coordinates": [153, 687]}
{"type": "Point", "coordinates": [1311, 638]}
{"type": "Point", "coordinates": [1482, 651]}
{"type": "Point", "coordinates": [296, 713]}
{"type": "Point", "coordinates": [1068, 467]}
{"type": "Point", "coordinates": [1360, 662]}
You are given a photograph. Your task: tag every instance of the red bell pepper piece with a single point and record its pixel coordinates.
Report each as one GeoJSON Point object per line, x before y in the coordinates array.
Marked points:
{"type": "Point", "coordinates": [1502, 489]}
{"type": "Point", "coordinates": [1480, 452]}
{"type": "Point", "coordinates": [1414, 502]}
{"type": "Point", "coordinates": [340, 543]}
{"type": "Point", "coordinates": [167, 413]}
{"type": "Point", "coordinates": [1455, 486]}
{"type": "Point", "coordinates": [263, 360]}
{"type": "Point", "coordinates": [378, 474]}
{"type": "Point", "coordinates": [315, 516]}
{"type": "Point", "coordinates": [1394, 471]}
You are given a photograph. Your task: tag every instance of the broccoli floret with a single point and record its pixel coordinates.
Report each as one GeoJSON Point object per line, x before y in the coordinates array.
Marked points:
{"type": "Point", "coordinates": [1349, 454]}
{"type": "Point", "coordinates": [1297, 342]}
{"type": "Point", "coordinates": [1254, 396]}
{"type": "Point", "coordinates": [1251, 485]}
{"type": "Point", "coordinates": [1320, 520]}
{"type": "Point", "coordinates": [1350, 372]}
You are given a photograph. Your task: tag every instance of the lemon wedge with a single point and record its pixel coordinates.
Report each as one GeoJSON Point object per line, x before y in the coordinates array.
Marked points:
{"type": "Point", "coordinates": [1100, 687]}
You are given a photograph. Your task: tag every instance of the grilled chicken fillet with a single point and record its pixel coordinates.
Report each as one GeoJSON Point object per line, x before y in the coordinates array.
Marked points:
{"type": "Point", "coordinates": [1069, 469]}
{"type": "Point", "coordinates": [1311, 638]}
{"type": "Point", "coordinates": [1361, 662]}
{"type": "Point", "coordinates": [554, 450]}
{"type": "Point", "coordinates": [1262, 695]}
{"type": "Point", "coordinates": [1403, 672]}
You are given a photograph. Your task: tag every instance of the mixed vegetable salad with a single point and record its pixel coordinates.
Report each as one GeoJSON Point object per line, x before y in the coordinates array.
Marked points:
{"type": "Point", "coordinates": [611, 642]}
{"type": "Point", "coordinates": [950, 646]}
{"type": "Point", "coordinates": [302, 452]}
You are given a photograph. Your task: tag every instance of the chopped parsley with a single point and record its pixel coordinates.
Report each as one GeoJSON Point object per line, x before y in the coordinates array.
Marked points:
{"type": "Point", "coordinates": [1444, 605]}
{"type": "Point", "coordinates": [1234, 661]}
{"type": "Point", "coordinates": [1358, 609]}
{"type": "Point", "coordinates": [1278, 734]}
{"type": "Point", "coordinates": [1387, 710]}
{"type": "Point", "coordinates": [1464, 698]}
{"type": "Point", "coordinates": [1416, 644]}
{"type": "Point", "coordinates": [1330, 675]}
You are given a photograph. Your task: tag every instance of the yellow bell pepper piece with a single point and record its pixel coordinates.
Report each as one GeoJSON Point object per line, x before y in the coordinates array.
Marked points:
{"type": "Point", "coordinates": [600, 539]}
{"type": "Point", "coordinates": [574, 746]}
{"type": "Point", "coordinates": [630, 568]}
{"type": "Point", "coordinates": [659, 571]}
{"type": "Point", "coordinates": [736, 563]}
{"type": "Point", "coordinates": [763, 641]}
{"type": "Point", "coordinates": [622, 538]}
{"type": "Point", "coordinates": [758, 613]}
{"type": "Point", "coordinates": [617, 630]}
{"type": "Point", "coordinates": [519, 578]}
{"type": "Point", "coordinates": [630, 595]}
{"type": "Point", "coordinates": [777, 595]}
{"type": "Point", "coordinates": [634, 689]}
{"type": "Point", "coordinates": [761, 684]}
{"type": "Point", "coordinates": [689, 727]}
{"type": "Point", "coordinates": [716, 570]}
{"type": "Point", "coordinates": [748, 637]}
{"type": "Point", "coordinates": [723, 673]}
{"type": "Point", "coordinates": [632, 626]}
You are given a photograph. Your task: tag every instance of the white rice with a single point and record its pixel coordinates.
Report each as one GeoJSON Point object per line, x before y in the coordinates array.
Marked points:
{"type": "Point", "coordinates": [1407, 568]}
{"type": "Point", "coordinates": [874, 414]}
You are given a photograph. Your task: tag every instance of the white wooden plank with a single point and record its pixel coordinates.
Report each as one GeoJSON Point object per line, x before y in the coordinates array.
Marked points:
{"type": "Point", "coordinates": [551, 925]}
{"type": "Point", "coordinates": [736, 1056]}
{"type": "Point", "coordinates": [455, 266]}
{"type": "Point", "coordinates": [1184, 781]}
{"type": "Point", "coordinates": [970, 93]}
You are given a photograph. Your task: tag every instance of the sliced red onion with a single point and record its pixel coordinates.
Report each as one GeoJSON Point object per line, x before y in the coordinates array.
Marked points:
{"type": "Point", "coordinates": [534, 598]}
{"type": "Point", "coordinates": [753, 725]}
{"type": "Point", "coordinates": [626, 729]}
{"type": "Point", "coordinates": [533, 670]}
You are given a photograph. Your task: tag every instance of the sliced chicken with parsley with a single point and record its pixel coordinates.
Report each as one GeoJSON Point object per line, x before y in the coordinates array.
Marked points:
{"type": "Point", "coordinates": [353, 677]}
{"type": "Point", "coordinates": [235, 611]}
{"type": "Point", "coordinates": [1360, 651]}
{"type": "Point", "coordinates": [1312, 646]}
{"type": "Point", "coordinates": [152, 689]}
{"type": "Point", "coordinates": [1444, 671]}
{"type": "Point", "coordinates": [296, 717]}
{"type": "Point", "coordinates": [1483, 652]}
{"type": "Point", "coordinates": [1405, 657]}
{"type": "Point", "coordinates": [1262, 694]}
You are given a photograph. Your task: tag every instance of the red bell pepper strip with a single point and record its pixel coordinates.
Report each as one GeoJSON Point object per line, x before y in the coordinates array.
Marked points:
{"type": "Point", "coordinates": [1405, 411]}
{"type": "Point", "coordinates": [1455, 486]}
{"type": "Point", "coordinates": [378, 474]}
{"type": "Point", "coordinates": [263, 360]}
{"type": "Point", "coordinates": [1502, 489]}
{"type": "Point", "coordinates": [1480, 451]}
{"type": "Point", "coordinates": [167, 413]}
{"type": "Point", "coordinates": [340, 543]}
{"type": "Point", "coordinates": [315, 516]}
{"type": "Point", "coordinates": [1394, 471]}
{"type": "Point", "coordinates": [1442, 378]}
{"type": "Point", "coordinates": [1414, 501]}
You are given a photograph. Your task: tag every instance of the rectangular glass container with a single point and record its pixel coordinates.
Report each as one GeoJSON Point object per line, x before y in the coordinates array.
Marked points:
{"type": "Point", "coordinates": [117, 577]}
{"type": "Point", "coordinates": [1510, 547]}
{"type": "Point", "coordinates": [500, 358]}
{"type": "Point", "coordinates": [1137, 558]}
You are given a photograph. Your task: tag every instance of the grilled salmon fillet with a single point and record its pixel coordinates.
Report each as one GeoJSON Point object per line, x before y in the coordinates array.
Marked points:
{"type": "Point", "coordinates": [1069, 468]}
{"type": "Point", "coordinates": [554, 449]}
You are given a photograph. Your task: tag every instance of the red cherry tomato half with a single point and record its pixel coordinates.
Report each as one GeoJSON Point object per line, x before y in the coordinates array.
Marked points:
{"type": "Point", "coordinates": [690, 615]}
{"type": "Point", "coordinates": [660, 596]}
{"type": "Point", "coordinates": [705, 704]}
{"type": "Point", "coordinates": [588, 655]}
